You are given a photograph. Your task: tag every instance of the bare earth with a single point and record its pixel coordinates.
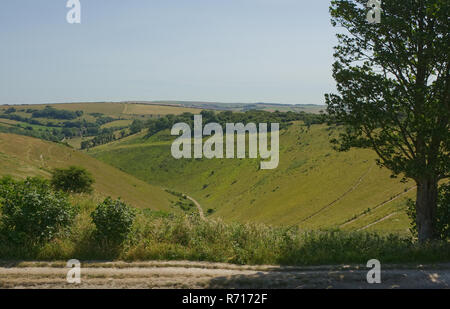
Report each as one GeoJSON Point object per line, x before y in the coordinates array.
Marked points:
{"type": "Point", "coordinates": [195, 275]}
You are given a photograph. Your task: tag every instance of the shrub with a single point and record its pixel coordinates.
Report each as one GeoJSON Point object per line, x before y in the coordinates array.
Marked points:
{"type": "Point", "coordinates": [31, 211]}
{"type": "Point", "coordinates": [113, 220]}
{"type": "Point", "coordinates": [136, 126]}
{"type": "Point", "coordinates": [10, 110]}
{"type": "Point", "coordinates": [74, 179]}
{"type": "Point", "coordinates": [442, 222]}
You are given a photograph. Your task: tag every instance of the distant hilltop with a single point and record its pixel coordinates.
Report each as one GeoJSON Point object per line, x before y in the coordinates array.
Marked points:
{"type": "Point", "coordinates": [308, 108]}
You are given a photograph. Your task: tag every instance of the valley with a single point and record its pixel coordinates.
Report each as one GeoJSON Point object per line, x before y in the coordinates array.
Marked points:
{"type": "Point", "coordinates": [314, 186]}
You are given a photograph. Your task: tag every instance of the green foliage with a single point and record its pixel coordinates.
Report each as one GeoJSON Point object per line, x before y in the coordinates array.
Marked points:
{"type": "Point", "coordinates": [393, 91]}
{"type": "Point", "coordinates": [255, 116]}
{"type": "Point", "coordinates": [136, 126]}
{"type": "Point", "coordinates": [46, 133]}
{"type": "Point", "coordinates": [31, 211]}
{"type": "Point", "coordinates": [72, 180]}
{"type": "Point", "coordinates": [103, 120]}
{"type": "Point", "coordinates": [393, 81]}
{"type": "Point", "coordinates": [163, 236]}
{"type": "Point", "coordinates": [45, 128]}
{"type": "Point", "coordinates": [104, 137]}
{"type": "Point", "coordinates": [50, 112]}
{"type": "Point", "coordinates": [442, 219]}
{"type": "Point", "coordinates": [113, 220]}
{"type": "Point", "coordinates": [10, 110]}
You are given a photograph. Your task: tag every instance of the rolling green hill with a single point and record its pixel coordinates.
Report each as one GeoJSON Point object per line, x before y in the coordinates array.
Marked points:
{"type": "Point", "coordinates": [313, 187]}
{"type": "Point", "coordinates": [22, 156]}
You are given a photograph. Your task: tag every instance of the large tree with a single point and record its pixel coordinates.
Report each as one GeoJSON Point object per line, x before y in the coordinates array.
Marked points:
{"type": "Point", "coordinates": [393, 91]}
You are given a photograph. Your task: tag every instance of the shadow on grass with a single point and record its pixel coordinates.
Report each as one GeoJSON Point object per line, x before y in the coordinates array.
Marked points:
{"type": "Point", "coordinates": [413, 278]}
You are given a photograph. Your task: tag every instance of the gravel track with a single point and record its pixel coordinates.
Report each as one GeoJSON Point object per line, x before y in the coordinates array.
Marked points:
{"type": "Point", "coordinates": [195, 275]}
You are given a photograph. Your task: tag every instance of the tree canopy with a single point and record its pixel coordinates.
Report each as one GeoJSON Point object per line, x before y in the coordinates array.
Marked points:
{"type": "Point", "coordinates": [73, 180]}
{"type": "Point", "coordinates": [393, 91]}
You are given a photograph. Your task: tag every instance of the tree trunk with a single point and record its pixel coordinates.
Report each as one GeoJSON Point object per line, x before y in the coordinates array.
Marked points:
{"type": "Point", "coordinates": [426, 203]}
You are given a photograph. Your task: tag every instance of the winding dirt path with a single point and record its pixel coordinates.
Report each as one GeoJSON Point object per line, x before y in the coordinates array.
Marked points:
{"type": "Point", "coordinates": [199, 207]}
{"type": "Point", "coordinates": [197, 204]}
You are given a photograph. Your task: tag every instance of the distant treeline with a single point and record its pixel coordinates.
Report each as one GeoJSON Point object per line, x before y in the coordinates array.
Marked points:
{"type": "Point", "coordinates": [252, 116]}
{"type": "Point", "coordinates": [50, 112]}
{"type": "Point", "coordinates": [27, 120]}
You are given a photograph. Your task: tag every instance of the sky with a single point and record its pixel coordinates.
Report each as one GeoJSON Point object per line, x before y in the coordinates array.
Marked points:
{"type": "Point", "coordinates": [277, 51]}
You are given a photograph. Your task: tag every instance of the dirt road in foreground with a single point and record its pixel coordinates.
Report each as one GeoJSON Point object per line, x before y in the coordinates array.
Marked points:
{"type": "Point", "coordinates": [40, 275]}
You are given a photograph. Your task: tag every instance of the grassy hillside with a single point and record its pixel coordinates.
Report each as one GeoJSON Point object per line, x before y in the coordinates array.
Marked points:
{"type": "Point", "coordinates": [23, 156]}
{"type": "Point", "coordinates": [313, 187]}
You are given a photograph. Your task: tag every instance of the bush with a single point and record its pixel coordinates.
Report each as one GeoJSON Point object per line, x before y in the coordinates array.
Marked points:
{"type": "Point", "coordinates": [113, 220]}
{"type": "Point", "coordinates": [10, 110]}
{"type": "Point", "coordinates": [32, 212]}
{"type": "Point", "coordinates": [442, 223]}
{"type": "Point", "coordinates": [136, 126]}
{"type": "Point", "coordinates": [74, 180]}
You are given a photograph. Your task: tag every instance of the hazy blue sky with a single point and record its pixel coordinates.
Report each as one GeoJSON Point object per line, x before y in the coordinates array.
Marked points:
{"type": "Point", "coordinates": [208, 50]}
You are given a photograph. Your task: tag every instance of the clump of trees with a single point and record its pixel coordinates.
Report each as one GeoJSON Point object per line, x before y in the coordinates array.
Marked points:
{"type": "Point", "coordinates": [101, 120]}
{"type": "Point", "coordinates": [50, 112]}
{"type": "Point", "coordinates": [72, 180]}
{"type": "Point", "coordinates": [136, 126]}
{"type": "Point", "coordinates": [256, 116]}
{"type": "Point", "coordinates": [10, 110]}
{"type": "Point", "coordinates": [98, 140]}
{"type": "Point", "coordinates": [33, 212]}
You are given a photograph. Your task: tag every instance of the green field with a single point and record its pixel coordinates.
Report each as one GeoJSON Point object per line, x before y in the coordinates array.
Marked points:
{"type": "Point", "coordinates": [313, 187]}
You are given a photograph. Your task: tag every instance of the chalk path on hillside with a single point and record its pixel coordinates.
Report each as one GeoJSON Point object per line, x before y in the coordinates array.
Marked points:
{"type": "Point", "coordinates": [378, 206]}
{"type": "Point", "coordinates": [197, 204]}
{"type": "Point", "coordinates": [378, 221]}
{"type": "Point", "coordinates": [339, 198]}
